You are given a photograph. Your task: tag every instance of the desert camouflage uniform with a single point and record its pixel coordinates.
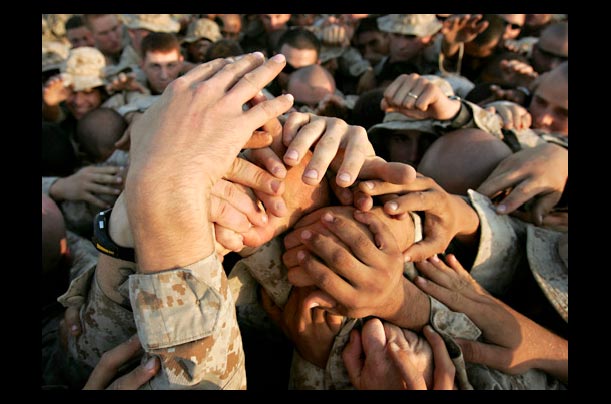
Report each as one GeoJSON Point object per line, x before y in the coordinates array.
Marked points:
{"type": "Point", "coordinates": [184, 316]}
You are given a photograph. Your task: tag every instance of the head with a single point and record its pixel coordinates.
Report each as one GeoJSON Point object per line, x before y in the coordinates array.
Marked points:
{"type": "Point", "coordinates": [487, 41]}
{"type": "Point", "coordinates": [367, 111]}
{"type": "Point", "coordinates": [549, 106]}
{"type": "Point", "coordinates": [463, 159]}
{"type": "Point", "coordinates": [107, 32]}
{"type": "Point", "coordinates": [161, 60]}
{"type": "Point", "coordinates": [141, 25]}
{"type": "Point", "coordinates": [372, 43]}
{"type": "Point", "coordinates": [83, 74]}
{"type": "Point", "coordinates": [274, 22]}
{"type": "Point", "coordinates": [201, 34]}
{"type": "Point", "coordinates": [409, 34]}
{"type": "Point", "coordinates": [537, 20]}
{"type": "Point", "coordinates": [230, 25]}
{"type": "Point", "coordinates": [77, 33]}
{"type": "Point", "coordinates": [310, 84]}
{"type": "Point", "coordinates": [55, 252]}
{"type": "Point", "coordinates": [223, 48]}
{"type": "Point", "coordinates": [301, 48]}
{"type": "Point", "coordinates": [513, 25]}
{"type": "Point", "coordinates": [552, 47]}
{"type": "Point", "coordinates": [97, 132]}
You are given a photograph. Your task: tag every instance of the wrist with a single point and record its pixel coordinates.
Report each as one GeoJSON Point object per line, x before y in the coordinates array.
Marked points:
{"type": "Point", "coordinates": [415, 311]}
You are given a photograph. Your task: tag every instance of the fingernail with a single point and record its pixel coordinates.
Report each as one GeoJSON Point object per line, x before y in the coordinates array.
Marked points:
{"type": "Point", "coordinates": [435, 258]}
{"type": "Point", "coordinates": [150, 364]}
{"type": "Point", "coordinates": [280, 207]}
{"type": "Point", "coordinates": [278, 58]}
{"type": "Point", "coordinates": [313, 174]}
{"type": "Point", "coordinates": [328, 217]}
{"type": "Point", "coordinates": [290, 97]}
{"type": "Point", "coordinates": [344, 177]}
{"type": "Point", "coordinates": [306, 234]}
{"type": "Point", "coordinates": [393, 205]}
{"type": "Point", "coordinates": [258, 55]}
{"type": "Point", "coordinates": [369, 184]}
{"type": "Point", "coordinates": [501, 209]}
{"type": "Point", "coordinates": [264, 218]}
{"type": "Point", "coordinates": [407, 258]}
{"type": "Point", "coordinates": [300, 256]}
{"type": "Point", "coordinates": [279, 172]}
{"type": "Point", "coordinates": [275, 185]}
{"type": "Point", "coordinates": [291, 154]}
{"type": "Point", "coordinates": [74, 329]}
{"type": "Point", "coordinates": [420, 281]}
{"type": "Point", "coordinates": [429, 328]}
{"type": "Point", "coordinates": [393, 346]}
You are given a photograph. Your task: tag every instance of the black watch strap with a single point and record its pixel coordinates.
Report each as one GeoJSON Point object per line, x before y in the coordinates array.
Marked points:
{"type": "Point", "coordinates": [104, 244]}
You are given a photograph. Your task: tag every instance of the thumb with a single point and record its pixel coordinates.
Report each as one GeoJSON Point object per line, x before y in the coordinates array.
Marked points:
{"type": "Point", "coordinates": [73, 321]}
{"type": "Point", "coordinates": [544, 205]}
{"type": "Point", "coordinates": [137, 377]}
{"type": "Point", "coordinates": [484, 354]}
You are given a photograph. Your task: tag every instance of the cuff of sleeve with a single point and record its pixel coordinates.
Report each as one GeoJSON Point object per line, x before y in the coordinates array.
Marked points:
{"type": "Point", "coordinates": [177, 306]}
{"type": "Point", "coordinates": [47, 182]}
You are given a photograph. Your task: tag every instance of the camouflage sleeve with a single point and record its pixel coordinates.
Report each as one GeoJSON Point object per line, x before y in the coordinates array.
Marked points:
{"type": "Point", "coordinates": [354, 63]}
{"type": "Point", "coordinates": [47, 182]}
{"type": "Point", "coordinates": [499, 252]}
{"type": "Point", "coordinates": [187, 318]}
{"type": "Point", "coordinates": [472, 115]}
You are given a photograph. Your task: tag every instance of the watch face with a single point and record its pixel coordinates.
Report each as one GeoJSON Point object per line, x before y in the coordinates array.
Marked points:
{"type": "Point", "coordinates": [104, 244]}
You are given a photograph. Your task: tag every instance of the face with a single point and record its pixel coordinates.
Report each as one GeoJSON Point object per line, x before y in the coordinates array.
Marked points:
{"type": "Point", "coordinates": [80, 36]}
{"type": "Point", "coordinates": [548, 53]}
{"type": "Point", "coordinates": [274, 22]}
{"type": "Point", "coordinates": [405, 47]}
{"type": "Point", "coordinates": [550, 105]}
{"type": "Point", "coordinates": [232, 25]}
{"type": "Point", "coordinates": [197, 50]}
{"type": "Point", "coordinates": [513, 24]}
{"type": "Point", "coordinates": [81, 102]}
{"type": "Point", "coordinates": [373, 45]}
{"type": "Point", "coordinates": [107, 34]}
{"type": "Point", "coordinates": [295, 58]}
{"type": "Point", "coordinates": [408, 146]}
{"type": "Point", "coordinates": [161, 69]}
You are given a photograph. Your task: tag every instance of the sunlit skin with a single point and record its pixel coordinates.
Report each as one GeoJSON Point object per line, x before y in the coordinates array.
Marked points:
{"type": "Point", "coordinates": [516, 20]}
{"type": "Point", "coordinates": [161, 68]}
{"type": "Point", "coordinates": [550, 104]}
{"type": "Point", "coordinates": [274, 22]}
{"type": "Point", "coordinates": [136, 36]}
{"type": "Point", "coordinates": [81, 102]}
{"type": "Point", "coordinates": [107, 34]}
{"type": "Point", "coordinates": [80, 36]}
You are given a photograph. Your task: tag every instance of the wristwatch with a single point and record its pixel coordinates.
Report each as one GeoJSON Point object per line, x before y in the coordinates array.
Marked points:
{"type": "Point", "coordinates": [104, 244]}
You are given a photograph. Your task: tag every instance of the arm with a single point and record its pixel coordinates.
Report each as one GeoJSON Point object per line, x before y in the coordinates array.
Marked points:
{"type": "Point", "coordinates": [86, 183]}
{"type": "Point", "coordinates": [53, 94]}
{"type": "Point", "coordinates": [168, 190]}
{"type": "Point", "coordinates": [512, 342]}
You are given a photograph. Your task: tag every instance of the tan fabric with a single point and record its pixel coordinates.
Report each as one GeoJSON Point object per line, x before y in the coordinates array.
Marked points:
{"type": "Point", "coordinates": [410, 24]}
{"type": "Point", "coordinates": [84, 69]}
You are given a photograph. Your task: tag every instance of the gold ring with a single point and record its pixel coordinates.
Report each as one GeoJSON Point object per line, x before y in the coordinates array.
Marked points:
{"type": "Point", "coordinates": [414, 96]}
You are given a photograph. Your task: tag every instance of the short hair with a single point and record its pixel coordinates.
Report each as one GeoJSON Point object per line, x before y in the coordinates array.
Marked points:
{"type": "Point", "coordinates": [299, 38]}
{"type": "Point", "coordinates": [87, 18]}
{"type": "Point", "coordinates": [97, 132]}
{"type": "Point", "coordinates": [495, 30]}
{"type": "Point", "coordinates": [76, 21]}
{"type": "Point", "coordinates": [223, 48]}
{"type": "Point", "coordinates": [159, 42]}
{"type": "Point", "coordinates": [367, 24]}
{"type": "Point", "coordinates": [367, 111]}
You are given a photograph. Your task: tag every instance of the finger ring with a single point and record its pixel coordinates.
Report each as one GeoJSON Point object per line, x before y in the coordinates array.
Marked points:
{"type": "Point", "coordinates": [414, 96]}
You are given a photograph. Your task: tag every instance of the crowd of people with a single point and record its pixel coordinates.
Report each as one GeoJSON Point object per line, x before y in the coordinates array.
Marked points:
{"type": "Point", "coordinates": [305, 201]}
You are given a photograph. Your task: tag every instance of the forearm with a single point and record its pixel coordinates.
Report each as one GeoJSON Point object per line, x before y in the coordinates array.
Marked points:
{"type": "Point", "coordinates": [51, 113]}
{"type": "Point", "coordinates": [415, 310]}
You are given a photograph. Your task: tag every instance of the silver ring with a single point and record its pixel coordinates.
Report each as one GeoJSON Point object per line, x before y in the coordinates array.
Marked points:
{"type": "Point", "coordinates": [414, 96]}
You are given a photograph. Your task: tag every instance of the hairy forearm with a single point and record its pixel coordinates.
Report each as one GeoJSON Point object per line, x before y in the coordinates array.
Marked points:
{"type": "Point", "coordinates": [415, 310]}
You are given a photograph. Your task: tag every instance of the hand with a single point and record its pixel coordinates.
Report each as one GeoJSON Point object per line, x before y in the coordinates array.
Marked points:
{"type": "Point", "coordinates": [514, 116]}
{"type": "Point", "coordinates": [418, 98]}
{"type": "Point", "coordinates": [54, 92]}
{"type": "Point", "coordinates": [70, 325]}
{"type": "Point", "coordinates": [358, 264]}
{"type": "Point", "coordinates": [125, 82]}
{"type": "Point", "coordinates": [538, 173]}
{"type": "Point", "coordinates": [111, 361]}
{"type": "Point", "coordinates": [463, 28]}
{"type": "Point", "coordinates": [87, 182]}
{"type": "Point", "coordinates": [518, 73]}
{"type": "Point", "coordinates": [310, 328]}
{"type": "Point", "coordinates": [180, 149]}
{"type": "Point", "coordinates": [512, 343]}
{"type": "Point", "coordinates": [336, 35]}
{"type": "Point", "coordinates": [445, 215]}
{"type": "Point", "coordinates": [499, 94]}
{"type": "Point", "coordinates": [334, 139]}
{"type": "Point", "coordinates": [385, 357]}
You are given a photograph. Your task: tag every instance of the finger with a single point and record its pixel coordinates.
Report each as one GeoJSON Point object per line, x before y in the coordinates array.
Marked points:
{"type": "Point", "coordinates": [228, 238]}
{"type": "Point", "coordinates": [319, 299]}
{"type": "Point", "coordinates": [223, 213]}
{"type": "Point", "coordinates": [299, 133]}
{"type": "Point", "coordinates": [444, 367]}
{"type": "Point", "coordinates": [519, 195]}
{"type": "Point", "coordinates": [325, 278]}
{"type": "Point", "coordinates": [110, 361]}
{"type": "Point", "coordinates": [263, 112]}
{"type": "Point", "coordinates": [250, 175]}
{"type": "Point", "coordinates": [407, 370]}
{"type": "Point", "coordinates": [300, 278]}
{"type": "Point", "coordinates": [274, 204]}
{"type": "Point", "coordinates": [382, 235]}
{"type": "Point", "coordinates": [543, 205]}
{"type": "Point", "coordinates": [393, 172]}
{"type": "Point", "coordinates": [94, 200]}
{"type": "Point", "coordinates": [268, 158]}
{"type": "Point", "coordinates": [436, 271]}
{"type": "Point", "coordinates": [73, 320]}
{"type": "Point", "coordinates": [344, 195]}
{"type": "Point", "coordinates": [243, 199]}
{"type": "Point", "coordinates": [526, 120]}
{"type": "Point", "coordinates": [259, 139]}
{"type": "Point", "coordinates": [250, 75]}
{"type": "Point", "coordinates": [202, 72]}
{"type": "Point", "coordinates": [362, 201]}
{"type": "Point", "coordinates": [353, 357]}
{"type": "Point", "coordinates": [482, 353]}
{"type": "Point", "coordinates": [373, 337]}
{"type": "Point", "coordinates": [357, 151]}
{"type": "Point", "coordinates": [273, 311]}
{"type": "Point", "coordinates": [453, 299]}
{"type": "Point", "coordinates": [137, 377]}
{"type": "Point", "coordinates": [435, 243]}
